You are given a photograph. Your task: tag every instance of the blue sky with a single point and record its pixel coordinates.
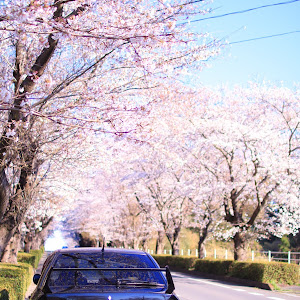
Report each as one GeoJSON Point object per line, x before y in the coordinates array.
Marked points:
{"type": "Point", "coordinates": [274, 59]}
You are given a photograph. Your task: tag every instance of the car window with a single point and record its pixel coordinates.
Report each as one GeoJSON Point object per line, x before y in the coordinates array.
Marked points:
{"type": "Point", "coordinates": [103, 260]}
{"type": "Point", "coordinates": [90, 273]}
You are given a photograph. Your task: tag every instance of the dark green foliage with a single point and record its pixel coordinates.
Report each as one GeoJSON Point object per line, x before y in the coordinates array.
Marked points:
{"type": "Point", "coordinates": [176, 262]}
{"type": "Point", "coordinates": [216, 267]}
{"type": "Point", "coordinates": [285, 245]}
{"type": "Point", "coordinates": [4, 295]}
{"type": "Point", "coordinates": [282, 273]}
{"type": "Point", "coordinates": [31, 258]}
{"type": "Point", "coordinates": [266, 272]}
{"type": "Point", "coordinates": [28, 258]}
{"type": "Point", "coordinates": [247, 270]}
{"type": "Point", "coordinates": [38, 254]}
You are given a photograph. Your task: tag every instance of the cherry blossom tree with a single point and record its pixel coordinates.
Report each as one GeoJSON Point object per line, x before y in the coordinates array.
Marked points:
{"type": "Point", "coordinates": [254, 165]}
{"type": "Point", "coordinates": [175, 126]}
{"type": "Point", "coordinates": [162, 195]}
{"type": "Point", "coordinates": [77, 63]}
{"type": "Point", "coordinates": [244, 148]}
{"type": "Point", "coordinates": [154, 172]}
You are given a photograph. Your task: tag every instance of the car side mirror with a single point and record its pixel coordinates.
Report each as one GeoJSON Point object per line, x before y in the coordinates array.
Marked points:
{"type": "Point", "coordinates": [36, 278]}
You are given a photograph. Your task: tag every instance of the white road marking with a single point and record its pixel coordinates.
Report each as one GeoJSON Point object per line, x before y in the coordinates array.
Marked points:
{"type": "Point", "coordinates": [275, 298]}
{"type": "Point", "coordinates": [256, 294]}
{"type": "Point", "coordinates": [218, 284]}
{"type": "Point", "coordinates": [239, 290]}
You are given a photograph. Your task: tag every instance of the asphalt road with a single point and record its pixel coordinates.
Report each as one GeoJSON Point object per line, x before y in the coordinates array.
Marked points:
{"type": "Point", "coordinates": [192, 288]}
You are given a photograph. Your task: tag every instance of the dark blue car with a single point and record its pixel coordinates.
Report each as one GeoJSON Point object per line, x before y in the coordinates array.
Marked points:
{"type": "Point", "coordinates": [110, 274]}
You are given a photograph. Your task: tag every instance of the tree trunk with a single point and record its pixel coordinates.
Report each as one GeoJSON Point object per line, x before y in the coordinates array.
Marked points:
{"type": "Point", "coordinates": [175, 248]}
{"type": "Point", "coordinates": [125, 245]}
{"type": "Point", "coordinates": [136, 243]}
{"type": "Point", "coordinates": [159, 248]}
{"type": "Point", "coordinates": [201, 250]}
{"type": "Point", "coordinates": [175, 242]}
{"type": "Point", "coordinates": [36, 243]}
{"type": "Point", "coordinates": [6, 253]}
{"type": "Point", "coordinates": [28, 243]}
{"type": "Point", "coordinates": [144, 244]}
{"type": "Point", "coordinates": [12, 248]}
{"type": "Point", "coordinates": [6, 233]}
{"type": "Point", "coordinates": [18, 205]}
{"type": "Point", "coordinates": [28, 240]}
{"type": "Point", "coordinates": [203, 232]}
{"type": "Point", "coordinates": [39, 239]}
{"type": "Point", "coordinates": [240, 246]}
{"type": "Point", "coordinates": [4, 193]}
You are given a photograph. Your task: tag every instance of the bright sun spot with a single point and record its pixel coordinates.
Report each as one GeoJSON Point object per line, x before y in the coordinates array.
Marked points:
{"type": "Point", "coordinates": [55, 241]}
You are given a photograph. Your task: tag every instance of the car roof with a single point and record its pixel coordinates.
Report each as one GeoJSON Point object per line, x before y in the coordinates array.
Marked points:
{"type": "Point", "coordinates": [99, 250]}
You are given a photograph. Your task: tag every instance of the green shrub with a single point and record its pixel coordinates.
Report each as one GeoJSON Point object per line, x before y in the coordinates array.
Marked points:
{"type": "Point", "coordinates": [22, 273]}
{"type": "Point", "coordinates": [9, 289]}
{"type": "Point", "coordinates": [176, 262]}
{"type": "Point", "coordinates": [28, 258]}
{"type": "Point", "coordinates": [266, 272]}
{"type": "Point", "coordinates": [281, 273]}
{"type": "Point", "coordinates": [14, 279]}
{"type": "Point", "coordinates": [38, 254]}
{"type": "Point", "coordinates": [247, 270]}
{"type": "Point", "coordinates": [29, 272]}
{"type": "Point", "coordinates": [216, 267]}
{"type": "Point", "coordinates": [33, 258]}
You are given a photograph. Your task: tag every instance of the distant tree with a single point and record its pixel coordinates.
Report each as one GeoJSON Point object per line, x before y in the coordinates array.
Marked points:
{"type": "Point", "coordinates": [86, 240]}
{"type": "Point", "coordinates": [285, 245]}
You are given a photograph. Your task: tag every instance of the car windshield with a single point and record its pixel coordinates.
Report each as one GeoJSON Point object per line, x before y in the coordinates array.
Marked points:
{"type": "Point", "coordinates": [86, 270]}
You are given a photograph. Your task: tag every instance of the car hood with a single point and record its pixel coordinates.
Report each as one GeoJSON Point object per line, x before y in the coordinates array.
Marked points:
{"type": "Point", "coordinates": [110, 296]}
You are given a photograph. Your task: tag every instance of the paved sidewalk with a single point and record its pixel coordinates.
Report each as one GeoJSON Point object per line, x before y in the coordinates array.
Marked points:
{"type": "Point", "coordinates": [37, 271]}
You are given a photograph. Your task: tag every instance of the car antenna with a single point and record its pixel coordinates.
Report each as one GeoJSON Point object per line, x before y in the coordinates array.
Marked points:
{"type": "Point", "coordinates": [103, 244]}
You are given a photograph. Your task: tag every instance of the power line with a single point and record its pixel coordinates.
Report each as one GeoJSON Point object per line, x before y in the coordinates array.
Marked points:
{"type": "Point", "coordinates": [242, 11]}
{"type": "Point", "coordinates": [265, 37]}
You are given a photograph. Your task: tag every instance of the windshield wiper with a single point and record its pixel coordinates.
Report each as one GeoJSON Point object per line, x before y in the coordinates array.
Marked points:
{"type": "Point", "coordinates": [139, 283]}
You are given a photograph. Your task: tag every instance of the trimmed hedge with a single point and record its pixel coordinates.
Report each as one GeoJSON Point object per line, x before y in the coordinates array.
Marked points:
{"type": "Point", "coordinates": [216, 267]}
{"type": "Point", "coordinates": [263, 272]}
{"type": "Point", "coordinates": [247, 270]}
{"type": "Point", "coordinates": [33, 257]}
{"type": "Point", "coordinates": [15, 279]}
{"type": "Point", "coordinates": [9, 289]}
{"type": "Point", "coordinates": [176, 262]}
{"type": "Point", "coordinates": [38, 254]}
{"type": "Point", "coordinates": [27, 258]}
{"type": "Point", "coordinates": [281, 273]}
